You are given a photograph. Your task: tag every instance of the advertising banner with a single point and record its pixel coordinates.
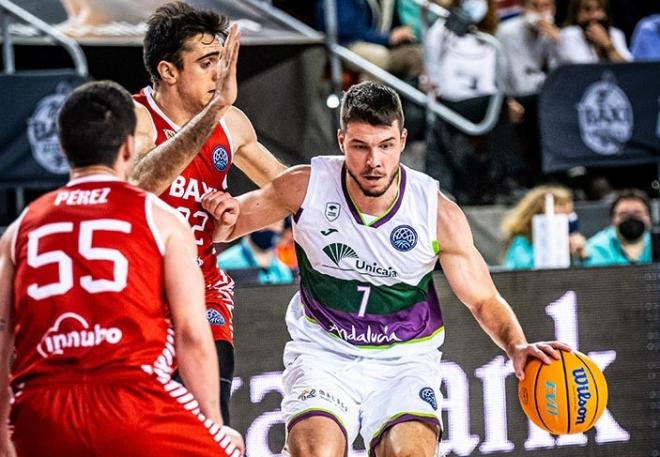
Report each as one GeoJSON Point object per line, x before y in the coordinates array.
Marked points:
{"type": "Point", "coordinates": [601, 115]}
{"type": "Point", "coordinates": [610, 314]}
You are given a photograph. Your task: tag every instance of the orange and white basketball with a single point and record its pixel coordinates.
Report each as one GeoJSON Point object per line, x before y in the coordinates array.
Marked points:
{"type": "Point", "coordinates": [567, 396]}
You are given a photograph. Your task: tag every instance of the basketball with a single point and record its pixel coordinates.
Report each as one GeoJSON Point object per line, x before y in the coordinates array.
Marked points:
{"type": "Point", "coordinates": [567, 396]}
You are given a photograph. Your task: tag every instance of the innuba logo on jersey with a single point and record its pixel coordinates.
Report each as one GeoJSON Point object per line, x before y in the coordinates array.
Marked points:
{"type": "Point", "coordinates": [605, 116]}
{"type": "Point", "coordinates": [42, 131]}
{"type": "Point", "coordinates": [72, 331]}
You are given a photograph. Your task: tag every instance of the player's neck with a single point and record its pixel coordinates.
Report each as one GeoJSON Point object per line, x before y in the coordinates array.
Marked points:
{"type": "Point", "coordinates": [171, 103]}
{"type": "Point", "coordinates": [95, 170]}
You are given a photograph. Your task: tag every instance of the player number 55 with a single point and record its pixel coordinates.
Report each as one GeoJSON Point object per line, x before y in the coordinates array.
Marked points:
{"type": "Point", "coordinates": [64, 263]}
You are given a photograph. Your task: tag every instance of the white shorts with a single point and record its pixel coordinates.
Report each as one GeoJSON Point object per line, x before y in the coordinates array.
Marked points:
{"type": "Point", "coordinates": [362, 395]}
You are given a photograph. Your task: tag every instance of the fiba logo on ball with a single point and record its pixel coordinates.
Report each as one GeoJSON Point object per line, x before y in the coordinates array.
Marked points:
{"type": "Point", "coordinates": [42, 131]}
{"type": "Point", "coordinates": [220, 158]}
{"type": "Point", "coordinates": [605, 116]}
{"type": "Point", "coordinates": [403, 238]}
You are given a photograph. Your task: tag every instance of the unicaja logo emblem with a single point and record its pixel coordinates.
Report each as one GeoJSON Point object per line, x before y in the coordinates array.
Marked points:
{"type": "Point", "coordinates": [605, 116]}
{"type": "Point", "coordinates": [339, 251]}
{"type": "Point", "coordinates": [42, 131]}
{"type": "Point", "coordinates": [403, 238]}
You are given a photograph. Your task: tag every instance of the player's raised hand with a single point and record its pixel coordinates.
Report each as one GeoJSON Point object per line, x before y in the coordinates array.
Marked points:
{"type": "Point", "coordinates": [542, 350]}
{"type": "Point", "coordinates": [222, 206]}
{"type": "Point", "coordinates": [236, 447]}
{"type": "Point", "coordinates": [226, 86]}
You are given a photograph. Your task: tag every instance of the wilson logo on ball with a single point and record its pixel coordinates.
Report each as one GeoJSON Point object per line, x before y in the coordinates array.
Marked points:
{"type": "Point", "coordinates": [583, 394]}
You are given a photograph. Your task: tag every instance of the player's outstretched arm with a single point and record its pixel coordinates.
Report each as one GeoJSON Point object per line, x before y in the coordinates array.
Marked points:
{"type": "Point", "coordinates": [468, 275]}
{"type": "Point", "coordinates": [279, 198]}
{"type": "Point", "coordinates": [156, 167]}
{"type": "Point", "coordinates": [6, 336]}
{"type": "Point", "coordinates": [184, 287]}
{"type": "Point", "coordinates": [251, 157]}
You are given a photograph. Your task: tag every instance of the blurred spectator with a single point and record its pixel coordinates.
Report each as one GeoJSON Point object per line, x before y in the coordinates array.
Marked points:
{"type": "Point", "coordinates": [628, 239]}
{"type": "Point", "coordinates": [412, 15]}
{"type": "Point", "coordinates": [517, 226]}
{"type": "Point", "coordinates": [257, 251]}
{"type": "Point", "coordinates": [529, 42]}
{"type": "Point", "coordinates": [286, 247]}
{"type": "Point", "coordinates": [461, 73]}
{"type": "Point", "coordinates": [645, 44]}
{"type": "Point", "coordinates": [589, 38]}
{"type": "Point", "coordinates": [369, 28]}
{"type": "Point", "coordinates": [461, 67]}
{"type": "Point", "coordinates": [507, 9]}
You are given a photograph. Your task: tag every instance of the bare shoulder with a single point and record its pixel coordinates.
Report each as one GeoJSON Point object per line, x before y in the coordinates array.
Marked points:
{"type": "Point", "coordinates": [239, 124]}
{"type": "Point", "coordinates": [290, 186]}
{"type": "Point", "coordinates": [168, 220]}
{"type": "Point", "coordinates": [453, 228]}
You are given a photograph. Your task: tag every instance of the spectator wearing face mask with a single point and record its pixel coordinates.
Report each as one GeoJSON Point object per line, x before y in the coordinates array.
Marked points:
{"type": "Point", "coordinates": [589, 38]}
{"type": "Point", "coordinates": [529, 42]}
{"type": "Point", "coordinates": [257, 251]}
{"type": "Point", "coordinates": [627, 240]}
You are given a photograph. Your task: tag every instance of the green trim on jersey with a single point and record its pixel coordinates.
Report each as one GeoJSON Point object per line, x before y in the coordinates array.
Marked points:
{"type": "Point", "coordinates": [436, 247]}
{"type": "Point", "coordinates": [343, 294]}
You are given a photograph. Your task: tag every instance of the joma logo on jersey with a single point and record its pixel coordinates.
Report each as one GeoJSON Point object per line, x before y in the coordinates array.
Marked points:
{"type": "Point", "coordinates": [186, 190]}
{"type": "Point", "coordinates": [64, 335]}
{"type": "Point", "coordinates": [338, 252]}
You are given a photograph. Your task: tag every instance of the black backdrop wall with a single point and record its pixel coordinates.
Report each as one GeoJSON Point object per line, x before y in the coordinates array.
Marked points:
{"type": "Point", "coordinates": [611, 314]}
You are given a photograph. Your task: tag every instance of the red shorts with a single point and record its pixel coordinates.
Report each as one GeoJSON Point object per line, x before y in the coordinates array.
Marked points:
{"type": "Point", "coordinates": [219, 313]}
{"type": "Point", "coordinates": [136, 417]}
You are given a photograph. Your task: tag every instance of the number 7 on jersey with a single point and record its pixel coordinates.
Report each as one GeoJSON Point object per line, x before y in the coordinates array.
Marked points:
{"type": "Point", "coordinates": [366, 290]}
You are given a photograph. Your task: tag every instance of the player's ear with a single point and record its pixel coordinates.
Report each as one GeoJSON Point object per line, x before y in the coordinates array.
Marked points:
{"type": "Point", "coordinates": [404, 137]}
{"type": "Point", "coordinates": [168, 72]}
{"type": "Point", "coordinates": [340, 139]}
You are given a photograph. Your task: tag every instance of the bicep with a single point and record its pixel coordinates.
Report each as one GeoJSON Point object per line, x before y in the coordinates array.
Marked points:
{"type": "Point", "coordinates": [7, 271]}
{"type": "Point", "coordinates": [468, 276]}
{"type": "Point", "coordinates": [258, 163]}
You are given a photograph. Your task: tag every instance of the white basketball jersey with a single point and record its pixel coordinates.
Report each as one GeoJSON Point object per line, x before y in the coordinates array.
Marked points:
{"type": "Point", "coordinates": [366, 288]}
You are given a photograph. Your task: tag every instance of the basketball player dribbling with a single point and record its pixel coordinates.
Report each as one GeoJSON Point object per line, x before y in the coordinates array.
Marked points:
{"type": "Point", "coordinates": [99, 292]}
{"type": "Point", "coordinates": [191, 57]}
{"type": "Point", "coordinates": [368, 234]}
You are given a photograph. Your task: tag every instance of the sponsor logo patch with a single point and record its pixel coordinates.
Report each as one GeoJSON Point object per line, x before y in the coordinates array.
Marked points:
{"type": "Point", "coordinates": [428, 395]}
{"type": "Point", "coordinates": [71, 331]}
{"type": "Point", "coordinates": [307, 394]}
{"type": "Point", "coordinates": [332, 211]}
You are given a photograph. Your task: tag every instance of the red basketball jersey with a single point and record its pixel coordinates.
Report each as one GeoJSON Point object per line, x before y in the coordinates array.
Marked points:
{"type": "Point", "coordinates": [88, 289]}
{"type": "Point", "coordinates": [207, 172]}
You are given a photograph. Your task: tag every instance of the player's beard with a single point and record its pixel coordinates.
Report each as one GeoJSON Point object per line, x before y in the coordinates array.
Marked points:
{"type": "Point", "coordinates": [369, 193]}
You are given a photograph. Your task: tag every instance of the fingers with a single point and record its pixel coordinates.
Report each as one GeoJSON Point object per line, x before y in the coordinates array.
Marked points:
{"type": "Point", "coordinates": [217, 203]}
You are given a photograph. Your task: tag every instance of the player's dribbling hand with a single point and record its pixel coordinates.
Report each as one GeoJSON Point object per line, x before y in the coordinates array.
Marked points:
{"type": "Point", "coordinates": [542, 350]}
{"type": "Point", "coordinates": [222, 206]}
{"type": "Point", "coordinates": [226, 87]}
{"type": "Point", "coordinates": [236, 440]}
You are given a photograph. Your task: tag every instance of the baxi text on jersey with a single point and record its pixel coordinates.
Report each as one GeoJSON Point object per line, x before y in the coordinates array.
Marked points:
{"type": "Point", "coordinates": [189, 189]}
{"type": "Point", "coordinates": [83, 197]}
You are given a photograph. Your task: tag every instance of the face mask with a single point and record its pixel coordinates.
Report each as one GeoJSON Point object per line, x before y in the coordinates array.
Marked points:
{"type": "Point", "coordinates": [265, 239]}
{"type": "Point", "coordinates": [632, 228]}
{"type": "Point", "coordinates": [476, 10]}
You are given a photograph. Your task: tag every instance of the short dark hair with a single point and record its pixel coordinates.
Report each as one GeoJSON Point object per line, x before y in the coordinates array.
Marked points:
{"type": "Point", "coordinates": [94, 121]}
{"type": "Point", "coordinates": [170, 26]}
{"type": "Point", "coordinates": [630, 194]}
{"type": "Point", "coordinates": [371, 102]}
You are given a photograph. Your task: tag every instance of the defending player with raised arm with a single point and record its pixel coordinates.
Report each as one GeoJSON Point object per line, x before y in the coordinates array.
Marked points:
{"type": "Point", "coordinates": [99, 292]}
{"type": "Point", "coordinates": [369, 232]}
{"type": "Point", "coordinates": [188, 137]}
